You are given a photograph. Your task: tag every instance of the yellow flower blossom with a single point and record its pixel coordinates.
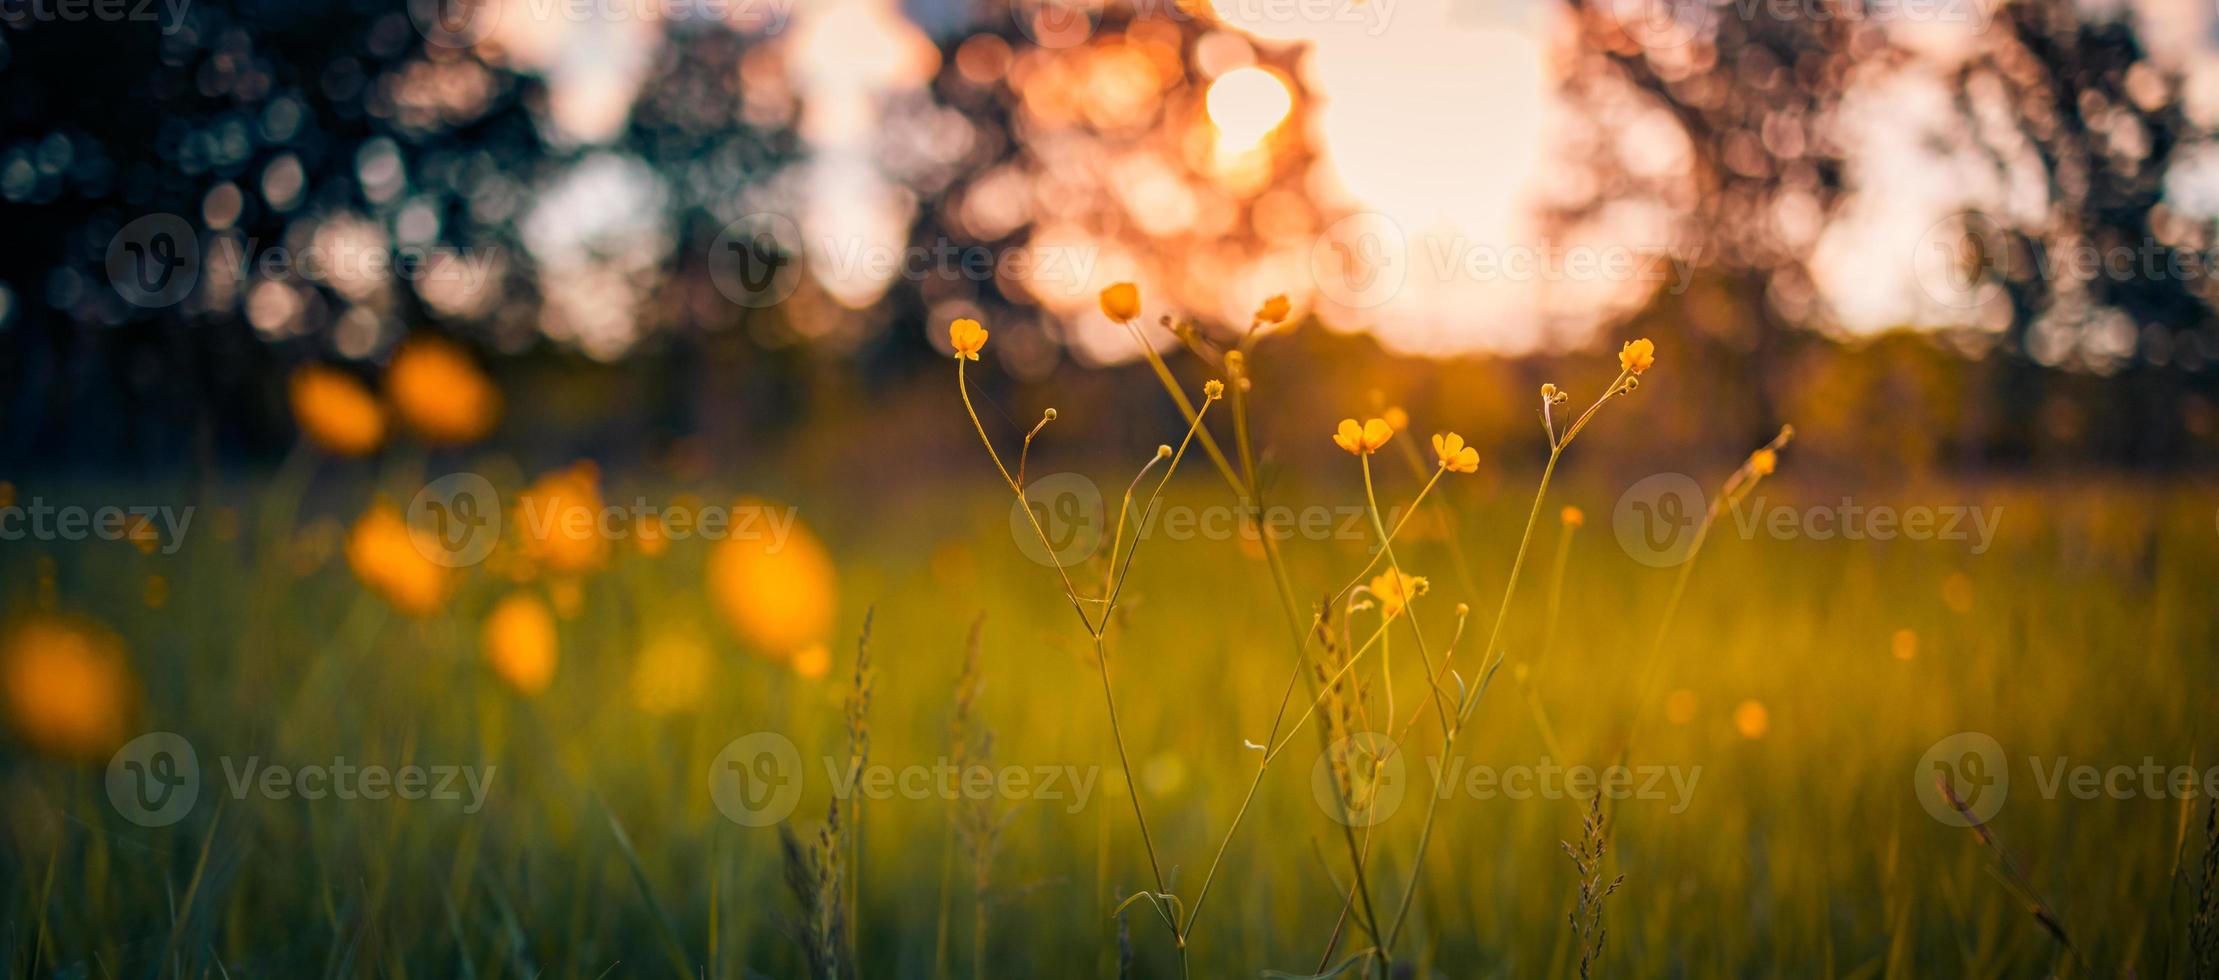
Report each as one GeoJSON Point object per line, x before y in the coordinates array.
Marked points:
{"type": "Point", "coordinates": [1365, 439]}
{"type": "Point", "coordinates": [387, 556]}
{"type": "Point", "coordinates": [1456, 457]}
{"type": "Point", "coordinates": [778, 593]}
{"type": "Point", "coordinates": [67, 687]}
{"type": "Point", "coordinates": [336, 412]}
{"type": "Point", "coordinates": [1121, 301]}
{"type": "Point", "coordinates": [438, 390]}
{"type": "Point", "coordinates": [1573, 517]}
{"type": "Point", "coordinates": [1394, 590]}
{"type": "Point", "coordinates": [1274, 310]}
{"type": "Point", "coordinates": [1637, 356]}
{"type": "Point", "coordinates": [518, 639]}
{"type": "Point", "coordinates": [559, 518]}
{"type": "Point", "coordinates": [967, 337]}
{"type": "Point", "coordinates": [1213, 389]}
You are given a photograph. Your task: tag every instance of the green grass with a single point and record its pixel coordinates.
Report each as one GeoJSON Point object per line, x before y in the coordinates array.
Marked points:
{"type": "Point", "coordinates": [2089, 633]}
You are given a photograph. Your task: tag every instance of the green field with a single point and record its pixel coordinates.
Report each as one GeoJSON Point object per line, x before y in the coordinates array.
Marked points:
{"type": "Point", "coordinates": [1798, 847]}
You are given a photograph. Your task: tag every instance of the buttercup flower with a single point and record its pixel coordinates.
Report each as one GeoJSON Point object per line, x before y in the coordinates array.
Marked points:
{"type": "Point", "coordinates": [440, 392]}
{"type": "Point", "coordinates": [560, 516]}
{"type": "Point", "coordinates": [1364, 439]}
{"type": "Point", "coordinates": [519, 641]}
{"type": "Point", "coordinates": [967, 337]}
{"type": "Point", "coordinates": [1394, 591]}
{"type": "Point", "coordinates": [1637, 355]}
{"type": "Point", "coordinates": [67, 687]}
{"type": "Point", "coordinates": [1121, 301]}
{"type": "Point", "coordinates": [1274, 309]}
{"type": "Point", "coordinates": [1573, 517]}
{"type": "Point", "coordinates": [335, 411]}
{"type": "Point", "coordinates": [1763, 461]}
{"type": "Point", "coordinates": [775, 584]}
{"type": "Point", "coordinates": [385, 554]}
{"type": "Point", "coordinates": [1456, 457]}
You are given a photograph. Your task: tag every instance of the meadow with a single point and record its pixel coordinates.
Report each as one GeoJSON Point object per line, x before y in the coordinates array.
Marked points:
{"type": "Point", "coordinates": [1773, 824]}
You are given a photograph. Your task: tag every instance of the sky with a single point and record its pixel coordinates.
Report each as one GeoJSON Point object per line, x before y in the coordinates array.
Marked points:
{"type": "Point", "coordinates": [1434, 123]}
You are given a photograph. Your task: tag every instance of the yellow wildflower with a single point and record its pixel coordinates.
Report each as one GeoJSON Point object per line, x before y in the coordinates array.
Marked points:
{"type": "Point", "coordinates": [967, 336]}
{"type": "Point", "coordinates": [519, 641]}
{"type": "Point", "coordinates": [1637, 355]}
{"type": "Point", "coordinates": [560, 517]}
{"type": "Point", "coordinates": [776, 588]}
{"type": "Point", "coordinates": [1394, 590]}
{"type": "Point", "coordinates": [1456, 457]}
{"type": "Point", "coordinates": [386, 555]}
{"type": "Point", "coordinates": [440, 392]}
{"type": "Point", "coordinates": [1121, 301]}
{"type": "Point", "coordinates": [1213, 389]}
{"type": "Point", "coordinates": [1274, 310]}
{"type": "Point", "coordinates": [1365, 439]}
{"type": "Point", "coordinates": [67, 686]}
{"type": "Point", "coordinates": [335, 411]}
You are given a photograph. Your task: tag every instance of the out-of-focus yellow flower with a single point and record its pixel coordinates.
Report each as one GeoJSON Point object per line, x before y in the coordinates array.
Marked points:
{"type": "Point", "coordinates": [439, 391]}
{"type": "Point", "coordinates": [1274, 310]}
{"type": "Point", "coordinates": [68, 687]}
{"type": "Point", "coordinates": [814, 662]}
{"type": "Point", "coordinates": [1364, 439]}
{"type": "Point", "coordinates": [672, 671]}
{"type": "Point", "coordinates": [1456, 457]}
{"type": "Point", "coordinates": [1904, 644]}
{"type": "Point", "coordinates": [519, 641]}
{"type": "Point", "coordinates": [776, 589]}
{"type": "Point", "coordinates": [559, 517]}
{"type": "Point", "coordinates": [1121, 301]}
{"type": "Point", "coordinates": [1573, 517]}
{"type": "Point", "coordinates": [1394, 590]}
{"type": "Point", "coordinates": [1763, 462]}
{"type": "Point", "coordinates": [1213, 389]}
{"type": "Point", "coordinates": [967, 337]}
{"type": "Point", "coordinates": [335, 412]}
{"type": "Point", "coordinates": [1395, 417]}
{"type": "Point", "coordinates": [1679, 706]}
{"type": "Point", "coordinates": [1751, 720]}
{"type": "Point", "coordinates": [1637, 356]}
{"type": "Point", "coordinates": [386, 555]}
